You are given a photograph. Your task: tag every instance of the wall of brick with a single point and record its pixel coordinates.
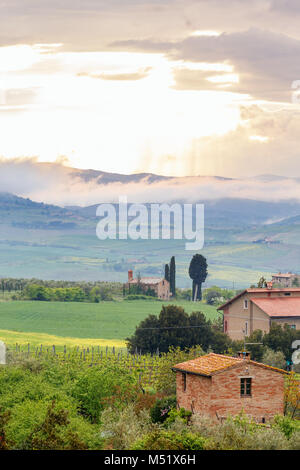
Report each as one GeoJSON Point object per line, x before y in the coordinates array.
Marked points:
{"type": "Point", "coordinates": [219, 395]}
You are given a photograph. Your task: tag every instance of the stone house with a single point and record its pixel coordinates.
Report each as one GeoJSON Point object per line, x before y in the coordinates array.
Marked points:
{"type": "Point", "coordinates": [256, 309]}
{"type": "Point", "coordinates": [159, 285]}
{"type": "Point", "coordinates": [286, 279]}
{"type": "Point", "coordinates": [217, 386]}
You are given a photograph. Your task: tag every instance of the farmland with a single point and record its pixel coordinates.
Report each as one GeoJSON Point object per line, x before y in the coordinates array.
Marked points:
{"type": "Point", "coordinates": [80, 324]}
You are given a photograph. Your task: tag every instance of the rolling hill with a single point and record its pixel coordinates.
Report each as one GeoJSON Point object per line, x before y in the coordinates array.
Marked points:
{"type": "Point", "coordinates": [241, 243]}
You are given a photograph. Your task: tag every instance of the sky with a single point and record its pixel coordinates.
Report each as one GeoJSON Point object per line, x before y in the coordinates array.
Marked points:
{"type": "Point", "coordinates": [181, 88]}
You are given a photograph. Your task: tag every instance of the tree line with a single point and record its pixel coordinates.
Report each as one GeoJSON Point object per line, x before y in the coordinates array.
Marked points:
{"type": "Point", "coordinates": [175, 328]}
{"type": "Point", "coordinates": [37, 289]}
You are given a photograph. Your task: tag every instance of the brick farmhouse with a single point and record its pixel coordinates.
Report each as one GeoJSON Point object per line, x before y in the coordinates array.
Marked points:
{"type": "Point", "coordinates": [256, 309]}
{"type": "Point", "coordinates": [217, 386]}
{"type": "Point", "coordinates": [159, 285]}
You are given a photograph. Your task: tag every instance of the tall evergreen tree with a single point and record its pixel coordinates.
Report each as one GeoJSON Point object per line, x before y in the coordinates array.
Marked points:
{"type": "Point", "coordinates": [173, 276]}
{"type": "Point", "coordinates": [198, 273]}
{"type": "Point", "coordinates": [167, 272]}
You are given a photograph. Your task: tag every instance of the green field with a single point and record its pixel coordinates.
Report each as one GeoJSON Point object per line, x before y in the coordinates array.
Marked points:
{"type": "Point", "coordinates": [80, 323]}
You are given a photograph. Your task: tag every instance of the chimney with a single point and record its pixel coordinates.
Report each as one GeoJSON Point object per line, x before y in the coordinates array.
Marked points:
{"type": "Point", "coordinates": [244, 355]}
{"type": "Point", "coordinates": [269, 285]}
{"type": "Point", "coordinates": [130, 275]}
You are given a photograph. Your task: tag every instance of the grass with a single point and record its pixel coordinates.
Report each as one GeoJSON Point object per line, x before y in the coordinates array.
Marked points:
{"type": "Point", "coordinates": [105, 323]}
{"type": "Point", "coordinates": [11, 338]}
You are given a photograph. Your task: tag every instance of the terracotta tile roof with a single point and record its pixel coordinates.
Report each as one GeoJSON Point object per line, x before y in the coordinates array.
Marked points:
{"type": "Point", "coordinates": [147, 280]}
{"type": "Point", "coordinates": [212, 363]}
{"type": "Point", "coordinates": [257, 290]}
{"type": "Point", "coordinates": [287, 275]}
{"type": "Point", "coordinates": [280, 306]}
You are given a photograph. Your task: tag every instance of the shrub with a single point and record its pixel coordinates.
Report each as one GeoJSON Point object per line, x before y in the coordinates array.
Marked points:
{"type": "Point", "coordinates": [98, 387]}
{"type": "Point", "coordinates": [4, 418]}
{"type": "Point", "coordinates": [286, 425]}
{"type": "Point", "coordinates": [274, 358]}
{"type": "Point", "coordinates": [52, 433]}
{"type": "Point", "coordinates": [25, 428]}
{"type": "Point", "coordinates": [160, 411]}
{"type": "Point", "coordinates": [266, 439]}
{"type": "Point", "coordinates": [294, 441]}
{"type": "Point", "coordinates": [169, 440]}
{"type": "Point", "coordinates": [145, 401]}
{"type": "Point", "coordinates": [239, 433]}
{"type": "Point", "coordinates": [140, 297]}
{"type": "Point", "coordinates": [181, 414]}
{"type": "Point", "coordinates": [121, 429]}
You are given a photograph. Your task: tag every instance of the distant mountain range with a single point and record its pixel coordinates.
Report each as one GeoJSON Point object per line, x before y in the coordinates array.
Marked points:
{"type": "Point", "coordinates": [228, 213]}
{"type": "Point", "coordinates": [66, 186]}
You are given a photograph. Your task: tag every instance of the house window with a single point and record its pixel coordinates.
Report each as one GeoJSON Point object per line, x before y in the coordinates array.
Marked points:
{"type": "Point", "coordinates": [246, 387]}
{"type": "Point", "coordinates": [225, 326]}
{"type": "Point", "coordinates": [246, 328]}
{"type": "Point", "coordinates": [184, 382]}
{"type": "Point", "coordinates": [287, 293]}
{"type": "Point", "coordinates": [245, 303]}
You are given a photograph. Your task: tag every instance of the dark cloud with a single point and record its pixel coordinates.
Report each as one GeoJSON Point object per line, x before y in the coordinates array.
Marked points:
{"type": "Point", "coordinates": [92, 24]}
{"type": "Point", "coordinates": [267, 63]}
{"type": "Point", "coordinates": [285, 6]}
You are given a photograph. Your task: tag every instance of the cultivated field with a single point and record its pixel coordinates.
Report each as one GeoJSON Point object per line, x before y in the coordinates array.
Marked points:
{"type": "Point", "coordinates": [80, 324]}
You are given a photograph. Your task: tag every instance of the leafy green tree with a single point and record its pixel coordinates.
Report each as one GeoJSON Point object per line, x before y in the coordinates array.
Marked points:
{"type": "Point", "coordinates": [262, 283]}
{"type": "Point", "coordinates": [274, 358]}
{"type": "Point", "coordinates": [146, 336]}
{"type": "Point", "coordinates": [36, 292]}
{"type": "Point", "coordinates": [175, 328]}
{"type": "Point", "coordinates": [173, 323]}
{"type": "Point", "coordinates": [201, 331]}
{"type": "Point", "coordinates": [213, 297]}
{"type": "Point", "coordinates": [281, 338]}
{"type": "Point", "coordinates": [48, 435]}
{"type": "Point", "coordinates": [198, 273]}
{"type": "Point", "coordinates": [97, 386]}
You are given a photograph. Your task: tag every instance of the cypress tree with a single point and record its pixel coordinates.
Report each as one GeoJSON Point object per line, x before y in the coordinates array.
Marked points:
{"type": "Point", "coordinates": [173, 276]}
{"type": "Point", "coordinates": [167, 272]}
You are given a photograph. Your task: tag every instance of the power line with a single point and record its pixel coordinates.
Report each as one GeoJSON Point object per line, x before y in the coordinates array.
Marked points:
{"type": "Point", "coordinates": [172, 327]}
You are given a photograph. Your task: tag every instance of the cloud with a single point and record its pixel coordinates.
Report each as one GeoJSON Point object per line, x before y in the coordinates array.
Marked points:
{"type": "Point", "coordinates": [275, 150]}
{"type": "Point", "coordinates": [285, 6]}
{"type": "Point", "coordinates": [266, 62]}
{"type": "Point", "coordinates": [17, 97]}
{"type": "Point", "coordinates": [130, 76]}
{"type": "Point", "coordinates": [89, 25]}
{"type": "Point", "coordinates": [59, 184]}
